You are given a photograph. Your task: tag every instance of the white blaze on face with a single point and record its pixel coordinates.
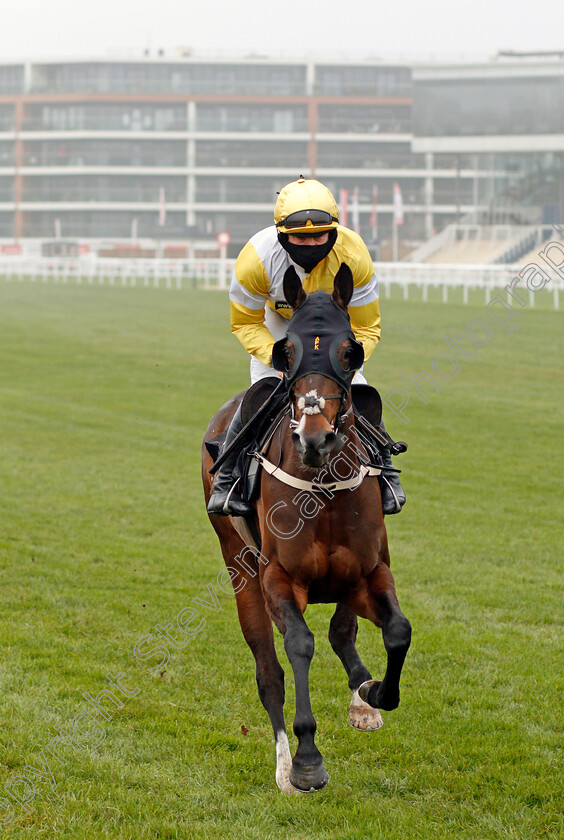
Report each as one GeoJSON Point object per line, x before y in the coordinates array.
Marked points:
{"type": "Point", "coordinates": [307, 411]}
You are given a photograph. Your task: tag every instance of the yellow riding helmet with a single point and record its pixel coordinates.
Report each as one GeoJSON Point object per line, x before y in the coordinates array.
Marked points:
{"type": "Point", "coordinates": [305, 205]}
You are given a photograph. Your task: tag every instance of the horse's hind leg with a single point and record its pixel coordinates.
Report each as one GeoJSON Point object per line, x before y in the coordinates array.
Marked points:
{"type": "Point", "coordinates": [342, 636]}
{"type": "Point", "coordinates": [378, 602]}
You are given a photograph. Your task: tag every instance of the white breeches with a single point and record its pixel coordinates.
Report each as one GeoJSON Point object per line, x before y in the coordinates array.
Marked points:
{"type": "Point", "coordinates": [278, 326]}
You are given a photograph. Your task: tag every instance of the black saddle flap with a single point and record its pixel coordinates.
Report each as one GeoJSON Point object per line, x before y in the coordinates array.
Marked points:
{"type": "Point", "coordinates": [256, 396]}
{"type": "Point", "coordinates": [367, 403]}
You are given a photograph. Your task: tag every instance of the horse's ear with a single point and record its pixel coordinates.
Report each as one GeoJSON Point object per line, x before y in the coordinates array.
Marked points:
{"type": "Point", "coordinates": [343, 286]}
{"type": "Point", "coordinates": [293, 289]}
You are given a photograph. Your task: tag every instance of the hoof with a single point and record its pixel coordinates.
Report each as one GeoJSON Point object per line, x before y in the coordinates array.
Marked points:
{"type": "Point", "coordinates": [362, 716]}
{"type": "Point", "coordinates": [306, 779]}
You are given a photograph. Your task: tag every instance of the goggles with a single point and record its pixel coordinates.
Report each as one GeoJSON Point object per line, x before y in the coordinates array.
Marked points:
{"type": "Point", "coordinates": [312, 234]}
{"type": "Point", "coordinates": [316, 218]}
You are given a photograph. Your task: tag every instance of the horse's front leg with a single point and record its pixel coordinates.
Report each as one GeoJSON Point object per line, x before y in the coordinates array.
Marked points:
{"type": "Point", "coordinates": [308, 771]}
{"type": "Point", "coordinates": [256, 625]}
{"type": "Point", "coordinates": [342, 636]}
{"type": "Point", "coordinates": [377, 601]}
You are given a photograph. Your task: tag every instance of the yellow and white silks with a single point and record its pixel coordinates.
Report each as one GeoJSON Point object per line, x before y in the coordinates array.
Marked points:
{"type": "Point", "coordinates": [260, 313]}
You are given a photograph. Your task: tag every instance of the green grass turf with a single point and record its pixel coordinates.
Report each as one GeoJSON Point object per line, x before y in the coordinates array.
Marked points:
{"type": "Point", "coordinates": [104, 396]}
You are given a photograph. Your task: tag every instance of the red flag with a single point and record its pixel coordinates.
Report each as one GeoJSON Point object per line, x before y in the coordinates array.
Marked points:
{"type": "Point", "coordinates": [162, 207]}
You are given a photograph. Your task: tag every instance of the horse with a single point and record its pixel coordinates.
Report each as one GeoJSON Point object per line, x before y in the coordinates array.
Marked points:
{"type": "Point", "coordinates": [320, 545]}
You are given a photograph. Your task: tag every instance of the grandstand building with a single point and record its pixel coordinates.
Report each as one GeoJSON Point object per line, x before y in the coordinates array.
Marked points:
{"type": "Point", "coordinates": [181, 148]}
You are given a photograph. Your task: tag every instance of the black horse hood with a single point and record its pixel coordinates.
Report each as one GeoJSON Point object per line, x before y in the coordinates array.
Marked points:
{"type": "Point", "coordinates": [317, 329]}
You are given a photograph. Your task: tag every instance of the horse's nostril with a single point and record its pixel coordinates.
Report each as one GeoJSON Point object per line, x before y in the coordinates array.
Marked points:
{"type": "Point", "coordinates": [297, 441]}
{"type": "Point", "coordinates": [330, 439]}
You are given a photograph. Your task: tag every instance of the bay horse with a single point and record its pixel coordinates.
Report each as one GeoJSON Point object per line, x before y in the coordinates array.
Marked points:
{"type": "Point", "coordinates": [326, 543]}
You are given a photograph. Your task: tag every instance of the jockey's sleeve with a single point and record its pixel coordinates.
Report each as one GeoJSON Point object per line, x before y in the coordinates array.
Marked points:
{"type": "Point", "coordinates": [248, 294]}
{"type": "Point", "coordinates": [364, 308]}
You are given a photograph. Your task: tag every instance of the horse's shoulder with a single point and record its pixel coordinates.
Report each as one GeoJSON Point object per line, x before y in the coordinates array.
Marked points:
{"type": "Point", "coordinates": [222, 418]}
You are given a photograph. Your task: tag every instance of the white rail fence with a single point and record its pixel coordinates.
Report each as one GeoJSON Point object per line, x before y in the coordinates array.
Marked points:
{"type": "Point", "coordinates": [216, 274]}
{"type": "Point", "coordinates": [156, 273]}
{"type": "Point", "coordinates": [489, 278]}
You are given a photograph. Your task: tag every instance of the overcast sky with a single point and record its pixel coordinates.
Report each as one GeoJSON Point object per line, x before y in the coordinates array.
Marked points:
{"type": "Point", "coordinates": [323, 28]}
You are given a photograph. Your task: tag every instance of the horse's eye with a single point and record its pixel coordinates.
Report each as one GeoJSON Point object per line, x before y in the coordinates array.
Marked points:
{"type": "Point", "coordinates": [288, 352]}
{"type": "Point", "coordinates": [346, 356]}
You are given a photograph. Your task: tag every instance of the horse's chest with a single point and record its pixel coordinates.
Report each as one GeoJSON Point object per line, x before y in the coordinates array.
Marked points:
{"type": "Point", "coordinates": [327, 571]}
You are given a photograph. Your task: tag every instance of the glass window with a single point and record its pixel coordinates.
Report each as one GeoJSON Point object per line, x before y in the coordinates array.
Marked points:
{"type": "Point", "coordinates": [269, 118]}
{"type": "Point", "coordinates": [78, 188]}
{"type": "Point", "coordinates": [157, 77]}
{"type": "Point", "coordinates": [363, 80]}
{"type": "Point", "coordinates": [412, 189]}
{"type": "Point", "coordinates": [441, 161]}
{"type": "Point", "coordinates": [6, 188]}
{"type": "Point", "coordinates": [458, 107]}
{"type": "Point", "coordinates": [256, 79]}
{"type": "Point", "coordinates": [372, 119]}
{"type": "Point", "coordinates": [7, 118]}
{"type": "Point", "coordinates": [235, 153]}
{"type": "Point", "coordinates": [102, 152]}
{"type": "Point", "coordinates": [6, 153]}
{"type": "Point", "coordinates": [7, 225]}
{"type": "Point", "coordinates": [104, 223]}
{"type": "Point", "coordinates": [108, 116]}
{"type": "Point", "coordinates": [367, 156]}
{"type": "Point", "coordinates": [11, 78]}
{"type": "Point", "coordinates": [238, 190]}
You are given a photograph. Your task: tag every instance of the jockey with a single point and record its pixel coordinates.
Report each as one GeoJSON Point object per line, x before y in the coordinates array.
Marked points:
{"type": "Point", "coordinates": [306, 234]}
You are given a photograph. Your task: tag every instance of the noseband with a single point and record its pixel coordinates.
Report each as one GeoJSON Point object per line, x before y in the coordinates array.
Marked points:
{"type": "Point", "coordinates": [311, 403]}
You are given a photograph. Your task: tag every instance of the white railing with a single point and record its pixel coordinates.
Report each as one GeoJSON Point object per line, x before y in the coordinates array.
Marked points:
{"type": "Point", "coordinates": [488, 278]}
{"type": "Point", "coordinates": [169, 273]}
{"type": "Point", "coordinates": [216, 274]}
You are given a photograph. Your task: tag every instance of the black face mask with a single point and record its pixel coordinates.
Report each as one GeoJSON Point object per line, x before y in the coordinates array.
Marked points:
{"type": "Point", "coordinates": [308, 256]}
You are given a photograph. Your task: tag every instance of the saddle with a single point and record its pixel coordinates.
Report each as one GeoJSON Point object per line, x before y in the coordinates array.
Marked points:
{"type": "Point", "coordinates": [263, 406]}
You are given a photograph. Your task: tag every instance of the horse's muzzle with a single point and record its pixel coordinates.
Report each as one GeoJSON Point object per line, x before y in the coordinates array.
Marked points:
{"type": "Point", "coordinates": [316, 448]}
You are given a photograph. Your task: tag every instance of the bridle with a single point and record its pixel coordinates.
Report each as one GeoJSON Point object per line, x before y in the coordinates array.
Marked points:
{"type": "Point", "coordinates": [317, 329]}
{"type": "Point", "coordinates": [312, 403]}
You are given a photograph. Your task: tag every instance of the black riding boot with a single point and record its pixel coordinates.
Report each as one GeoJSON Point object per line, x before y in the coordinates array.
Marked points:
{"type": "Point", "coordinates": [224, 499]}
{"type": "Point", "coordinates": [393, 496]}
